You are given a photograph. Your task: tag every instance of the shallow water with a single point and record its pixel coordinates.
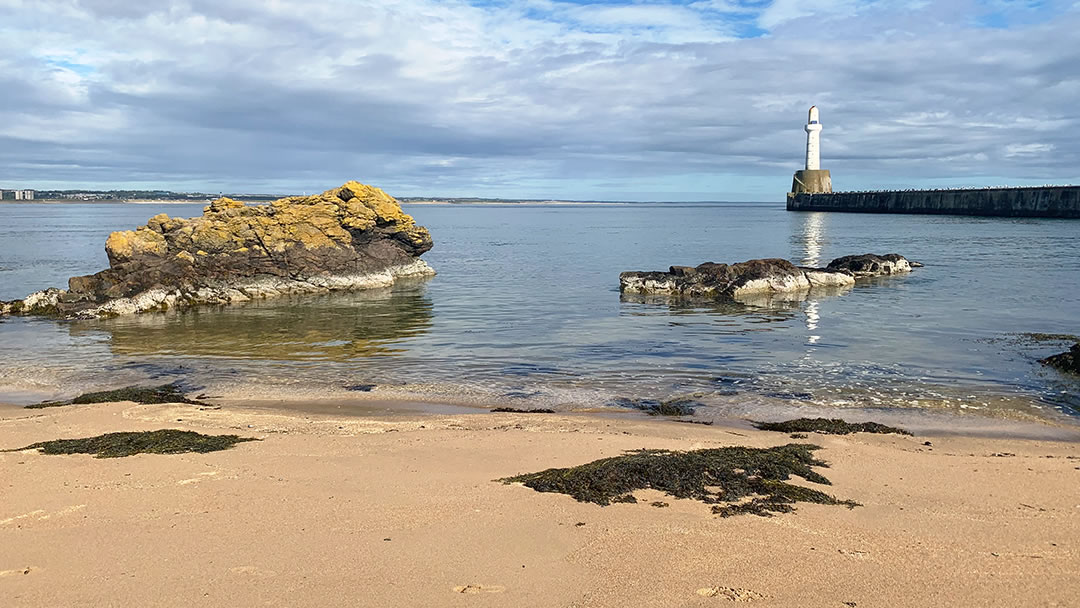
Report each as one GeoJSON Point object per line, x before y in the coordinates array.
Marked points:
{"type": "Point", "coordinates": [526, 309]}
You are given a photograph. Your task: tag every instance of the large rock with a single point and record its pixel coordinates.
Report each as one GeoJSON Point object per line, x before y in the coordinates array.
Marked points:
{"type": "Point", "coordinates": [351, 237]}
{"type": "Point", "coordinates": [755, 277]}
{"type": "Point", "coordinates": [870, 265]}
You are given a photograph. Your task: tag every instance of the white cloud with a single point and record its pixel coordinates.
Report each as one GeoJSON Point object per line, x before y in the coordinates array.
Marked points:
{"type": "Point", "coordinates": [529, 97]}
{"type": "Point", "coordinates": [1032, 149]}
{"type": "Point", "coordinates": [782, 11]}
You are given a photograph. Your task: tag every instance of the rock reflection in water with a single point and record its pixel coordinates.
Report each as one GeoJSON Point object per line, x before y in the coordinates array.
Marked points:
{"type": "Point", "coordinates": [761, 307]}
{"type": "Point", "coordinates": [329, 327]}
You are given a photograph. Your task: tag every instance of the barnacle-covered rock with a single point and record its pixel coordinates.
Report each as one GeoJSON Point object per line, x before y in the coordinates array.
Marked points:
{"type": "Point", "coordinates": [759, 277]}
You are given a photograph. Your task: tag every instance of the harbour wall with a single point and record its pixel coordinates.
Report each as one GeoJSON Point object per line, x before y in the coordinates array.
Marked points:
{"type": "Point", "coordinates": [1041, 201]}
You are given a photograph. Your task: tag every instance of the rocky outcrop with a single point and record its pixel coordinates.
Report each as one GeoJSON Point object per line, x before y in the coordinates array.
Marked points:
{"type": "Point", "coordinates": [870, 265]}
{"type": "Point", "coordinates": [754, 277]}
{"type": "Point", "coordinates": [1067, 361]}
{"type": "Point", "coordinates": [351, 237]}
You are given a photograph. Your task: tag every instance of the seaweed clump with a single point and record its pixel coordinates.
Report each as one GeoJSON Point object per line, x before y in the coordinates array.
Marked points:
{"type": "Point", "coordinates": [118, 445]}
{"type": "Point", "coordinates": [678, 406]}
{"type": "Point", "coordinates": [735, 480]}
{"type": "Point", "coordinates": [166, 393]}
{"type": "Point", "coordinates": [828, 426]}
{"type": "Point", "coordinates": [514, 410]}
{"type": "Point", "coordinates": [1068, 361]}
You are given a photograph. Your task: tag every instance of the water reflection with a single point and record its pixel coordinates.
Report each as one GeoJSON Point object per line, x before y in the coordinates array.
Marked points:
{"type": "Point", "coordinates": [813, 241]}
{"type": "Point", "coordinates": [327, 327]}
{"type": "Point", "coordinates": [761, 307]}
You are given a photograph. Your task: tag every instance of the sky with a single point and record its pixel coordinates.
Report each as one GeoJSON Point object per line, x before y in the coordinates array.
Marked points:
{"type": "Point", "coordinates": [614, 100]}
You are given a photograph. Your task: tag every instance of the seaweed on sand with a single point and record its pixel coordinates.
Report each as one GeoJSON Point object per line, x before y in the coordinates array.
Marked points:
{"type": "Point", "coordinates": [117, 445]}
{"type": "Point", "coordinates": [827, 426]}
{"type": "Point", "coordinates": [166, 393]}
{"type": "Point", "coordinates": [677, 406]}
{"type": "Point", "coordinates": [514, 410]}
{"type": "Point", "coordinates": [734, 480]}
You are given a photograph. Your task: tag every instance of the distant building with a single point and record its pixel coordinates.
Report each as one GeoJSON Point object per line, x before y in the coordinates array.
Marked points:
{"type": "Point", "coordinates": [17, 195]}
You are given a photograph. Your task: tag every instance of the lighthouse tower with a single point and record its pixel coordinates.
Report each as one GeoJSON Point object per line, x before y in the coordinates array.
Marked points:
{"type": "Point", "coordinates": [813, 179]}
{"type": "Point", "coordinates": [813, 140]}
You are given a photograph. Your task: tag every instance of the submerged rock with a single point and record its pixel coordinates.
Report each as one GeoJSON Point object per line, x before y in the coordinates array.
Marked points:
{"type": "Point", "coordinates": [756, 277]}
{"type": "Point", "coordinates": [1067, 362]}
{"type": "Point", "coordinates": [351, 237]}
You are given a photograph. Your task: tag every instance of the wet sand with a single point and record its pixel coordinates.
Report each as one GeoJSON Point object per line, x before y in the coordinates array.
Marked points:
{"type": "Point", "coordinates": [402, 510]}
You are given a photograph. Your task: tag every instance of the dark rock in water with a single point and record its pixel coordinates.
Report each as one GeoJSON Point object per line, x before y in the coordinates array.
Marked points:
{"type": "Point", "coordinates": [361, 388]}
{"type": "Point", "coordinates": [827, 426]}
{"type": "Point", "coordinates": [1067, 362]}
{"type": "Point", "coordinates": [870, 265]}
{"type": "Point", "coordinates": [351, 237]}
{"type": "Point", "coordinates": [718, 280]}
{"type": "Point", "coordinates": [678, 406]}
{"type": "Point", "coordinates": [756, 277]}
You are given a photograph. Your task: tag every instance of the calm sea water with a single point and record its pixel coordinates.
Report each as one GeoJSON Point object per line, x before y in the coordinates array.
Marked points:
{"type": "Point", "coordinates": [526, 310]}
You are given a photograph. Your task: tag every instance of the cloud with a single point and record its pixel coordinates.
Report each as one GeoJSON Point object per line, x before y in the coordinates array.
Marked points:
{"type": "Point", "coordinates": [638, 100]}
{"type": "Point", "coordinates": [782, 11]}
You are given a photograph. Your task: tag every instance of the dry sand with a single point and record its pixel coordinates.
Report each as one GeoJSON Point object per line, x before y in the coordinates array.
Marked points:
{"type": "Point", "coordinates": [331, 510]}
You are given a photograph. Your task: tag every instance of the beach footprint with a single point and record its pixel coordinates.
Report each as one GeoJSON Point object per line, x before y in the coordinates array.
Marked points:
{"type": "Point", "coordinates": [731, 594]}
{"type": "Point", "coordinates": [479, 589]}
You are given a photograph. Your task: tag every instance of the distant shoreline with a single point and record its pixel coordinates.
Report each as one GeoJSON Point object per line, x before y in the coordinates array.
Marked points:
{"type": "Point", "coordinates": [107, 202]}
{"type": "Point", "coordinates": [430, 202]}
{"type": "Point", "coordinates": [512, 202]}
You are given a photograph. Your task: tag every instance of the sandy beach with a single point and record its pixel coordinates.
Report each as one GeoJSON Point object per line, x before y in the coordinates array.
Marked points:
{"type": "Point", "coordinates": [403, 510]}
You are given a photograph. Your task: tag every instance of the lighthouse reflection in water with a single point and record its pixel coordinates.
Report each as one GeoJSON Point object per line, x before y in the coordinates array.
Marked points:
{"type": "Point", "coordinates": [813, 241]}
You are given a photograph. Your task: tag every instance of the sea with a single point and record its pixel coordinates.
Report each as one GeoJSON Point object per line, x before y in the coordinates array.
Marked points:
{"type": "Point", "coordinates": [526, 312]}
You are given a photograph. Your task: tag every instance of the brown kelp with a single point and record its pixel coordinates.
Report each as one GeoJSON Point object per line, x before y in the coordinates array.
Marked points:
{"type": "Point", "coordinates": [828, 426]}
{"type": "Point", "coordinates": [166, 393]}
{"type": "Point", "coordinates": [118, 445]}
{"type": "Point", "coordinates": [734, 480]}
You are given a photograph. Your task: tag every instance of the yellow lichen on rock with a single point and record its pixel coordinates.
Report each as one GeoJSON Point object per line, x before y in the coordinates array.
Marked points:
{"type": "Point", "coordinates": [125, 244]}
{"type": "Point", "coordinates": [326, 220]}
{"type": "Point", "coordinates": [222, 204]}
{"type": "Point", "coordinates": [211, 236]}
{"type": "Point", "coordinates": [385, 207]}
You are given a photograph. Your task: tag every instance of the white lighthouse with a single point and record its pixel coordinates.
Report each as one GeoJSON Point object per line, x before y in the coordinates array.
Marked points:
{"type": "Point", "coordinates": [813, 140]}
{"type": "Point", "coordinates": [813, 179]}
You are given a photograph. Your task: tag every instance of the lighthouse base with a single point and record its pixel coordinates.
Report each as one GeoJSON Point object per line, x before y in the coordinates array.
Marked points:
{"type": "Point", "coordinates": [811, 181]}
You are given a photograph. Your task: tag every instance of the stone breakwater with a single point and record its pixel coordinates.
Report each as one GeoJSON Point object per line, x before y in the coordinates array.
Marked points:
{"type": "Point", "coordinates": [756, 277]}
{"type": "Point", "coordinates": [352, 237]}
{"type": "Point", "coordinates": [1046, 201]}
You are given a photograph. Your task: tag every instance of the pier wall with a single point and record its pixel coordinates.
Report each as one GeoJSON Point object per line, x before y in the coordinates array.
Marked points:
{"type": "Point", "coordinates": [1045, 201]}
